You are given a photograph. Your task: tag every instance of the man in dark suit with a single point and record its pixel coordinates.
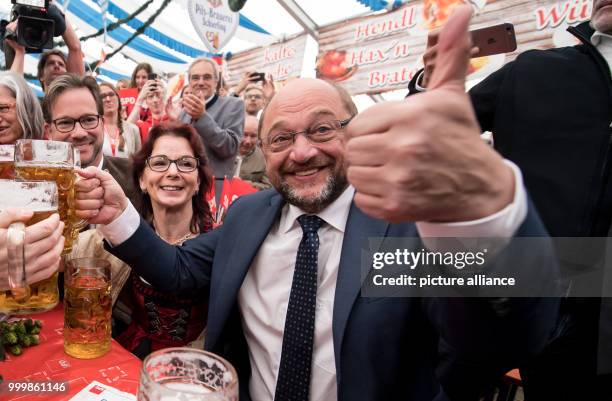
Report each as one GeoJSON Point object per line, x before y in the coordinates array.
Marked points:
{"type": "Point", "coordinates": [74, 113]}
{"type": "Point", "coordinates": [283, 270]}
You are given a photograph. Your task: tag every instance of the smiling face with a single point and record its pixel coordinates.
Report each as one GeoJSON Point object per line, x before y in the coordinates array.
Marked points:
{"type": "Point", "coordinates": [601, 19]}
{"type": "Point", "coordinates": [309, 176]}
{"type": "Point", "coordinates": [74, 104]}
{"type": "Point", "coordinates": [141, 78]}
{"type": "Point", "coordinates": [10, 129]}
{"type": "Point", "coordinates": [172, 189]}
{"type": "Point", "coordinates": [203, 79]}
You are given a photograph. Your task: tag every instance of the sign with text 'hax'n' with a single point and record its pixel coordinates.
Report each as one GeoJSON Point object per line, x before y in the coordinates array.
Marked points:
{"type": "Point", "coordinates": [214, 22]}
{"type": "Point", "coordinates": [377, 53]}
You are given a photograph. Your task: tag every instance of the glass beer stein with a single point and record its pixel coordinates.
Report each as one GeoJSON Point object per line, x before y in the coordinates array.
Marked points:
{"type": "Point", "coordinates": [187, 374]}
{"type": "Point", "coordinates": [87, 308]}
{"type": "Point", "coordinates": [42, 198]}
{"type": "Point", "coordinates": [37, 160]}
{"type": "Point", "coordinates": [7, 158]}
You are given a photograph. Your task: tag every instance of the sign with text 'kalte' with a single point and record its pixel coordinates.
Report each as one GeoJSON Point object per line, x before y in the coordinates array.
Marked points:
{"type": "Point", "coordinates": [280, 60]}
{"type": "Point", "coordinates": [214, 22]}
{"type": "Point", "coordinates": [382, 52]}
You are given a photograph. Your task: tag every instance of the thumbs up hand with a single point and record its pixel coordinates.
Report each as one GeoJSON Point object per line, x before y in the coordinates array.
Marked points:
{"type": "Point", "coordinates": [422, 159]}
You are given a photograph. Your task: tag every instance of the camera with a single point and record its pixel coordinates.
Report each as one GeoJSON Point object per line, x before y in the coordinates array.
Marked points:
{"type": "Point", "coordinates": [37, 24]}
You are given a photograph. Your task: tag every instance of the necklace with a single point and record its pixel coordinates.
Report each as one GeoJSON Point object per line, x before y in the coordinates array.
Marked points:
{"type": "Point", "coordinates": [179, 241]}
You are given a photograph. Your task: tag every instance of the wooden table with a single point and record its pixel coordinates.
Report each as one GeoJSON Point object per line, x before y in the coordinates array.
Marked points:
{"type": "Point", "coordinates": [47, 362]}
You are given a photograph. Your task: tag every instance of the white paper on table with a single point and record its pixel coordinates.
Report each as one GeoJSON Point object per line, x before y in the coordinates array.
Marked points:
{"type": "Point", "coordinates": [96, 391]}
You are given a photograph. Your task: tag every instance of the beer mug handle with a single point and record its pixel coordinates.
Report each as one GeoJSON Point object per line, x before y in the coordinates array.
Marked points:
{"type": "Point", "coordinates": [16, 262]}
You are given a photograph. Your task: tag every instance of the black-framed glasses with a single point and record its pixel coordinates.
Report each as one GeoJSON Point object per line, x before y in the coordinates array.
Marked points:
{"type": "Point", "coordinates": [319, 133]}
{"type": "Point", "coordinates": [160, 164]}
{"type": "Point", "coordinates": [89, 121]}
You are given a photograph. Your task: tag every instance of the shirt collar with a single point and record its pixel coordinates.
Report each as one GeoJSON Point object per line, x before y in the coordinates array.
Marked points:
{"type": "Point", "coordinates": [101, 163]}
{"type": "Point", "coordinates": [336, 214]}
{"type": "Point", "coordinates": [599, 37]}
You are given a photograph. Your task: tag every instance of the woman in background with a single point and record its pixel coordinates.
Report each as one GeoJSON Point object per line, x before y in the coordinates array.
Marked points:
{"type": "Point", "coordinates": [20, 112]}
{"type": "Point", "coordinates": [121, 138]}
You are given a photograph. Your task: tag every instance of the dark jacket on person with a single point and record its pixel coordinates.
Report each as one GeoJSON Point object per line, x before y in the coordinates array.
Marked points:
{"type": "Point", "coordinates": [121, 170]}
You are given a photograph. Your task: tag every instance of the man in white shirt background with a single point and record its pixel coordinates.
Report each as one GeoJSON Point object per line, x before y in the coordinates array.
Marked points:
{"type": "Point", "coordinates": [283, 270]}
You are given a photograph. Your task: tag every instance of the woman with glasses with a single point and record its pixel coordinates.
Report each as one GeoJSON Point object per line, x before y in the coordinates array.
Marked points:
{"type": "Point", "coordinates": [20, 112]}
{"type": "Point", "coordinates": [172, 172]}
{"type": "Point", "coordinates": [121, 138]}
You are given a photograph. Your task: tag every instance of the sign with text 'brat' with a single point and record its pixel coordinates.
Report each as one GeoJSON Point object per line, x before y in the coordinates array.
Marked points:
{"type": "Point", "coordinates": [281, 60]}
{"type": "Point", "coordinates": [214, 22]}
{"type": "Point", "coordinates": [382, 52]}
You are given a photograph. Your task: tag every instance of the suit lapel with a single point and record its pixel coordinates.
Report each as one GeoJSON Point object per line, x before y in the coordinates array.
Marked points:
{"type": "Point", "coordinates": [359, 228]}
{"type": "Point", "coordinates": [228, 277]}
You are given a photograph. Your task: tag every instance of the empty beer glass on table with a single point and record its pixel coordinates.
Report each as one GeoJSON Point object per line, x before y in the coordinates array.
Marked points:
{"type": "Point", "coordinates": [187, 374]}
{"type": "Point", "coordinates": [38, 160]}
{"type": "Point", "coordinates": [87, 308]}
{"type": "Point", "coordinates": [7, 162]}
{"type": "Point", "coordinates": [41, 198]}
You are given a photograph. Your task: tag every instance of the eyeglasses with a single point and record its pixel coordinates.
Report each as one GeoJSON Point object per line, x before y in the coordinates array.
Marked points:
{"type": "Point", "coordinates": [254, 97]}
{"type": "Point", "coordinates": [90, 121]}
{"type": "Point", "coordinates": [185, 164]}
{"type": "Point", "coordinates": [109, 95]}
{"type": "Point", "coordinates": [318, 133]}
{"type": "Point", "coordinates": [205, 77]}
{"type": "Point", "coordinates": [5, 108]}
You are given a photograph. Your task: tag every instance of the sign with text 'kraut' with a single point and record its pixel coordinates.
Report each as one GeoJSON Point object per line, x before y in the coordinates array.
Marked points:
{"type": "Point", "coordinates": [281, 60]}
{"type": "Point", "coordinates": [382, 52]}
{"type": "Point", "coordinates": [214, 22]}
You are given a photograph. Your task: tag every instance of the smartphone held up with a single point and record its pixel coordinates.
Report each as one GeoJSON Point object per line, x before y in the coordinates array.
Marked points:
{"type": "Point", "coordinates": [494, 39]}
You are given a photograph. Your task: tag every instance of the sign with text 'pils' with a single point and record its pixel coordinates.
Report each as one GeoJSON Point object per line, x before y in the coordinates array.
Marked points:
{"type": "Point", "coordinates": [281, 60]}
{"type": "Point", "coordinates": [214, 22]}
{"type": "Point", "coordinates": [382, 52]}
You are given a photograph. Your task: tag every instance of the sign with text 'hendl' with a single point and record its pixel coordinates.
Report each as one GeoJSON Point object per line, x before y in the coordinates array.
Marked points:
{"type": "Point", "coordinates": [214, 22]}
{"type": "Point", "coordinates": [382, 52]}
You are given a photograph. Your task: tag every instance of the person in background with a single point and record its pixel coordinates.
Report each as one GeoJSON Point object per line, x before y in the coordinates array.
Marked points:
{"type": "Point", "coordinates": [54, 62]}
{"type": "Point", "coordinates": [218, 120]}
{"type": "Point", "coordinates": [140, 75]}
{"type": "Point", "coordinates": [251, 161]}
{"type": "Point", "coordinates": [121, 138]}
{"type": "Point", "coordinates": [155, 101]}
{"type": "Point", "coordinates": [252, 78]}
{"type": "Point", "coordinates": [123, 83]}
{"type": "Point", "coordinates": [20, 112]}
{"type": "Point", "coordinates": [172, 172]}
{"type": "Point", "coordinates": [254, 100]}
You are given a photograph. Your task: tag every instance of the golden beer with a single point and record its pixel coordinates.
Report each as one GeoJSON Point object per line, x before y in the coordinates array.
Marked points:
{"type": "Point", "coordinates": [65, 178]}
{"type": "Point", "coordinates": [7, 156]}
{"type": "Point", "coordinates": [41, 198]}
{"type": "Point", "coordinates": [87, 308]}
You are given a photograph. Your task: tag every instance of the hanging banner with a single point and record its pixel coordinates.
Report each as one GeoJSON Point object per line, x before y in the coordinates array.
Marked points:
{"type": "Point", "coordinates": [281, 60]}
{"type": "Point", "coordinates": [214, 22]}
{"type": "Point", "coordinates": [382, 52]}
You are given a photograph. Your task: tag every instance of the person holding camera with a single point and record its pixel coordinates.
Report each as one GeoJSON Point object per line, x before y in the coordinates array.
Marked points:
{"type": "Point", "coordinates": [52, 63]}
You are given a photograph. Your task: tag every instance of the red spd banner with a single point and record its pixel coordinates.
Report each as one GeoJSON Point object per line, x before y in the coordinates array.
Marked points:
{"type": "Point", "coordinates": [128, 98]}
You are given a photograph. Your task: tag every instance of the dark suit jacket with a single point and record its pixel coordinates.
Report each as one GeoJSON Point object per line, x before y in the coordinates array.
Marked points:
{"type": "Point", "coordinates": [385, 348]}
{"type": "Point", "coordinates": [121, 170]}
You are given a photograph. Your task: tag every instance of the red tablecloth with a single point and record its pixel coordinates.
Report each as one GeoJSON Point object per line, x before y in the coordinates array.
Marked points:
{"type": "Point", "coordinates": [48, 362]}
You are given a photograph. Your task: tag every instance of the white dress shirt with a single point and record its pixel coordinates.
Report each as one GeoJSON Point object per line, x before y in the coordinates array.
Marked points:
{"type": "Point", "coordinates": [264, 294]}
{"type": "Point", "coordinates": [603, 43]}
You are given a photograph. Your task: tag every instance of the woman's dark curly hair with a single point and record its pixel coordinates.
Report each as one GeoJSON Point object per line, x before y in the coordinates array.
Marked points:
{"type": "Point", "coordinates": [202, 218]}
